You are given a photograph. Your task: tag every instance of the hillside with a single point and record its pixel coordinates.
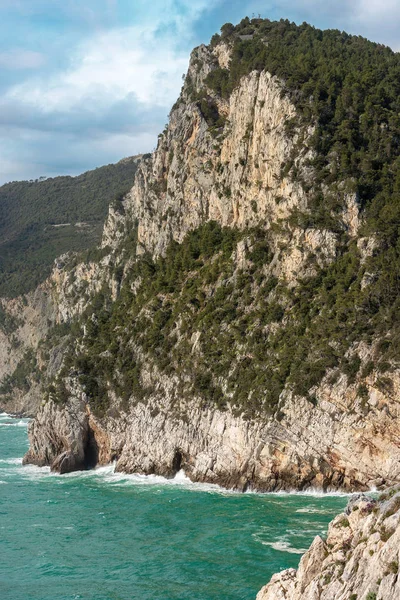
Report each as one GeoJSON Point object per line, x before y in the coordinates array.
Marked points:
{"type": "Point", "coordinates": [39, 220]}
{"type": "Point", "coordinates": [241, 319]}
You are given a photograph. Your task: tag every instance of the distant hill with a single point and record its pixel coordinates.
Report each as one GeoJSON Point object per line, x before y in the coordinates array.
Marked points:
{"type": "Point", "coordinates": [39, 220]}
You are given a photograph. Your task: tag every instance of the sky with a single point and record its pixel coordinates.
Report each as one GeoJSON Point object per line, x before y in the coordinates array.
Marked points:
{"type": "Point", "coordinates": [87, 82]}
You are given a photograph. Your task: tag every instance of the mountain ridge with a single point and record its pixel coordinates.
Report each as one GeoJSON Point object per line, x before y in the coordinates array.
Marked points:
{"type": "Point", "coordinates": [41, 219]}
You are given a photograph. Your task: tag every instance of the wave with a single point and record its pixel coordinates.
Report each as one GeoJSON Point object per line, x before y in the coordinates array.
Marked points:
{"type": "Point", "coordinates": [33, 473]}
{"type": "Point", "coordinates": [108, 475]}
{"type": "Point", "coordinates": [11, 461]}
{"type": "Point", "coordinates": [313, 510]}
{"type": "Point", "coordinates": [21, 423]}
{"type": "Point", "coordinates": [283, 545]}
{"type": "Point", "coordinates": [313, 492]}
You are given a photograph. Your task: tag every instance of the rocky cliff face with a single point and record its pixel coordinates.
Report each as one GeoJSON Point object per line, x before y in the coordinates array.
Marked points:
{"type": "Point", "coordinates": [359, 560]}
{"type": "Point", "coordinates": [309, 448]}
{"type": "Point", "coordinates": [25, 358]}
{"type": "Point", "coordinates": [219, 160]}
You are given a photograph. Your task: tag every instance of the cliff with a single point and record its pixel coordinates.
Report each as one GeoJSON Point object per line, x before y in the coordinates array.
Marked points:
{"type": "Point", "coordinates": [359, 560]}
{"type": "Point", "coordinates": [239, 319]}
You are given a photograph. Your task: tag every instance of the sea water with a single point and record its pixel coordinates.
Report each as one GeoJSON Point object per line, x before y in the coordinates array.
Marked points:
{"type": "Point", "coordinates": [99, 535]}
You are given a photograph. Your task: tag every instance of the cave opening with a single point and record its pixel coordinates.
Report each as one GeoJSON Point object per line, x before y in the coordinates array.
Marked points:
{"type": "Point", "coordinates": [177, 462]}
{"type": "Point", "coordinates": [91, 451]}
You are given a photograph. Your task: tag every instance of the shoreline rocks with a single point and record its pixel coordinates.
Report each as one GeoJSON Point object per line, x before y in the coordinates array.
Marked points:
{"type": "Point", "coordinates": [359, 560]}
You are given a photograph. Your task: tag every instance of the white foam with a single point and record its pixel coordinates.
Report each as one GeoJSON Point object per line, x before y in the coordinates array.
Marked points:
{"type": "Point", "coordinates": [284, 546]}
{"type": "Point", "coordinates": [310, 492]}
{"type": "Point", "coordinates": [313, 510]}
{"type": "Point", "coordinates": [108, 475]}
{"type": "Point", "coordinates": [22, 423]}
{"type": "Point", "coordinates": [32, 472]}
{"type": "Point", "coordinates": [126, 479]}
{"type": "Point", "coordinates": [11, 461]}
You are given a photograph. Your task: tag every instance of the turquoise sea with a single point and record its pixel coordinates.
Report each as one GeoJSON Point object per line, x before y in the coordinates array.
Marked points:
{"type": "Point", "coordinates": [96, 535]}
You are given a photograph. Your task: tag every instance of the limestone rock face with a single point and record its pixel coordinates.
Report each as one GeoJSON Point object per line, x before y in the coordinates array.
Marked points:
{"type": "Point", "coordinates": [33, 317]}
{"type": "Point", "coordinates": [236, 180]}
{"type": "Point", "coordinates": [236, 176]}
{"type": "Point", "coordinates": [310, 447]}
{"type": "Point", "coordinates": [60, 437]}
{"type": "Point", "coordinates": [358, 560]}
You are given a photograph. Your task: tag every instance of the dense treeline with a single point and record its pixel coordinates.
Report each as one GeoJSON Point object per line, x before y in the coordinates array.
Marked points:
{"type": "Point", "coordinates": [348, 89]}
{"type": "Point", "coordinates": [39, 220]}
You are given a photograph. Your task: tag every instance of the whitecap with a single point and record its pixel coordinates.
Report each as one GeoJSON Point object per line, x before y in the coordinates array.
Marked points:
{"type": "Point", "coordinates": [284, 546]}
{"type": "Point", "coordinates": [20, 423]}
{"type": "Point", "coordinates": [311, 492]}
{"type": "Point", "coordinates": [313, 510]}
{"type": "Point", "coordinates": [32, 472]}
{"type": "Point", "coordinates": [11, 461]}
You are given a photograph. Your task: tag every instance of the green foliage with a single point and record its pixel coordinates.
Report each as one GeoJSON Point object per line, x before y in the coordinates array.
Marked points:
{"type": "Point", "coordinates": [350, 89]}
{"type": "Point", "coordinates": [394, 567]}
{"type": "Point", "coordinates": [40, 220]}
{"type": "Point", "coordinates": [242, 337]}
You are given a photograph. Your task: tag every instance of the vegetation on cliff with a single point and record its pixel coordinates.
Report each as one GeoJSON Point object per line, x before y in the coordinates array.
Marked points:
{"type": "Point", "coordinates": [240, 335]}
{"type": "Point", "coordinates": [39, 220]}
{"type": "Point", "coordinates": [214, 311]}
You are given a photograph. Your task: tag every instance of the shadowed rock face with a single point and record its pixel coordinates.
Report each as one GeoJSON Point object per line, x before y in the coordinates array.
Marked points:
{"type": "Point", "coordinates": [60, 438]}
{"type": "Point", "coordinates": [359, 558]}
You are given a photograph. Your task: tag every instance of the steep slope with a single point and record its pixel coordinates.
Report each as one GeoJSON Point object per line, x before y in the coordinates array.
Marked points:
{"type": "Point", "coordinates": [359, 560]}
{"type": "Point", "coordinates": [39, 220]}
{"type": "Point", "coordinates": [241, 322]}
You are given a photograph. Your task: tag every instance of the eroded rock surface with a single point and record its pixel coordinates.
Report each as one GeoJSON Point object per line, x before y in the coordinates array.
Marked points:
{"type": "Point", "coordinates": [359, 560]}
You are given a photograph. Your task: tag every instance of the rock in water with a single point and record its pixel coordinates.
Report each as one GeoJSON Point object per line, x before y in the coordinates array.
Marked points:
{"type": "Point", "coordinates": [359, 560]}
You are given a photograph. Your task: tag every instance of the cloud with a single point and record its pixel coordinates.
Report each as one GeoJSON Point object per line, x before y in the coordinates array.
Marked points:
{"type": "Point", "coordinates": [21, 59]}
{"type": "Point", "coordinates": [109, 68]}
{"type": "Point", "coordinates": [112, 98]}
{"type": "Point", "coordinates": [378, 20]}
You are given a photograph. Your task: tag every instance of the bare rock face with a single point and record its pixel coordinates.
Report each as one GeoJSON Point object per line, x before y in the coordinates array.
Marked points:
{"type": "Point", "coordinates": [310, 447]}
{"type": "Point", "coordinates": [32, 317]}
{"type": "Point", "coordinates": [60, 437]}
{"type": "Point", "coordinates": [359, 560]}
{"type": "Point", "coordinates": [340, 441]}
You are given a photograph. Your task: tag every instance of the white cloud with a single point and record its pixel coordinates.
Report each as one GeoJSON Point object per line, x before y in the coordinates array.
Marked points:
{"type": "Point", "coordinates": [111, 100]}
{"type": "Point", "coordinates": [378, 20]}
{"type": "Point", "coordinates": [21, 59]}
{"type": "Point", "coordinates": [145, 60]}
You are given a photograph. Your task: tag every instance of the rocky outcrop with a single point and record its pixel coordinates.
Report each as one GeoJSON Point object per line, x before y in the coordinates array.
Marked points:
{"type": "Point", "coordinates": [61, 438]}
{"type": "Point", "coordinates": [31, 318]}
{"type": "Point", "coordinates": [359, 560]}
